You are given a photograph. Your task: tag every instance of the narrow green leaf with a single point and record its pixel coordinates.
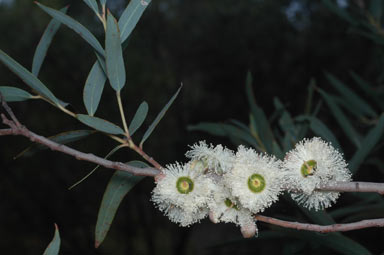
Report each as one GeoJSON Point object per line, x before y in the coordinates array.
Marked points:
{"type": "Point", "coordinates": [103, 2]}
{"type": "Point", "coordinates": [75, 26]}
{"type": "Point", "coordinates": [351, 97]}
{"type": "Point", "coordinates": [320, 129]}
{"type": "Point", "coordinates": [54, 246]}
{"type": "Point", "coordinates": [159, 117]}
{"type": "Point", "coordinates": [367, 145]}
{"type": "Point", "coordinates": [96, 167]}
{"type": "Point", "coordinates": [93, 5]}
{"type": "Point", "coordinates": [119, 185]}
{"type": "Point", "coordinates": [45, 42]}
{"type": "Point", "coordinates": [13, 94]}
{"type": "Point", "coordinates": [342, 13]}
{"type": "Point", "coordinates": [100, 124]}
{"type": "Point", "coordinates": [262, 125]}
{"type": "Point", "coordinates": [93, 88]}
{"type": "Point", "coordinates": [114, 54]}
{"type": "Point", "coordinates": [343, 121]}
{"type": "Point", "coordinates": [368, 90]}
{"type": "Point", "coordinates": [62, 138]}
{"type": "Point", "coordinates": [28, 78]}
{"type": "Point", "coordinates": [131, 16]}
{"type": "Point", "coordinates": [139, 118]}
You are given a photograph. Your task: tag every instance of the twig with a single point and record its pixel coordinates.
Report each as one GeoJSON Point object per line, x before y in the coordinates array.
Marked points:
{"type": "Point", "coordinates": [354, 187]}
{"type": "Point", "coordinates": [17, 129]}
{"type": "Point", "coordinates": [320, 228]}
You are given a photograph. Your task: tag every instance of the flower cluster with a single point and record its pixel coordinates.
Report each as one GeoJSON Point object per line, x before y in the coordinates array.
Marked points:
{"type": "Point", "coordinates": [233, 186]}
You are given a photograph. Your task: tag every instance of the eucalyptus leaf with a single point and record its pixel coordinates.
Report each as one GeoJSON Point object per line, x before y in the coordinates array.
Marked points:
{"type": "Point", "coordinates": [54, 246]}
{"type": "Point", "coordinates": [342, 120]}
{"type": "Point", "coordinates": [44, 43]}
{"type": "Point", "coordinates": [367, 145]}
{"type": "Point", "coordinates": [320, 129]}
{"type": "Point", "coordinates": [351, 97]}
{"type": "Point", "coordinates": [139, 118]}
{"type": "Point", "coordinates": [114, 54]}
{"type": "Point", "coordinates": [158, 118]}
{"type": "Point", "coordinates": [262, 125]}
{"type": "Point", "coordinates": [75, 26]}
{"type": "Point", "coordinates": [93, 88]}
{"type": "Point", "coordinates": [93, 5]}
{"type": "Point", "coordinates": [100, 124]}
{"type": "Point", "coordinates": [118, 187]}
{"type": "Point", "coordinates": [28, 78]}
{"type": "Point", "coordinates": [131, 16]}
{"type": "Point", "coordinates": [13, 94]}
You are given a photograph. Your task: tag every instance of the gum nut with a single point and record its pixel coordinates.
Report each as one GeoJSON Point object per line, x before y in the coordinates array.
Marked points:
{"type": "Point", "coordinates": [212, 217]}
{"type": "Point", "coordinates": [159, 177]}
{"type": "Point", "coordinates": [248, 230]}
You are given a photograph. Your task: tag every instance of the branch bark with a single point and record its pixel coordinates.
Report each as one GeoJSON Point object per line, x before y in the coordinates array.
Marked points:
{"type": "Point", "coordinates": [320, 228]}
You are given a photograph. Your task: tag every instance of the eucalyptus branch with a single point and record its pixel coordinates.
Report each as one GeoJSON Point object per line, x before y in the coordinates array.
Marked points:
{"type": "Point", "coordinates": [15, 128]}
{"type": "Point", "coordinates": [320, 228]}
{"type": "Point", "coordinates": [354, 187]}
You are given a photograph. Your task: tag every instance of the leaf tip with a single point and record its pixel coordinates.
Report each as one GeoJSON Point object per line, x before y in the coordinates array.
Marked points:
{"type": "Point", "coordinates": [97, 244]}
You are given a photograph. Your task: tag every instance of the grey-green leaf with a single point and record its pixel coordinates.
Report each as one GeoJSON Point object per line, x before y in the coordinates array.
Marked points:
{"type": "Point", "coordinates": [351, 97]}
{"type": "Point", "coordinates": [119, 185]}
{"type": "Point", "coordinates": [103, 2]}
{"type": "Point", "coordinates": [159, 117]}
{"type": "Point", "coordinates": [367, 145]}
{"type": "Point", "coordinates": [100, 124]}
{"type": "Point", "coordinates": [114, 54]}
{"type": "Point", "coordinates": [131, 16]}
{"type": "Point", "coordinates": [54, 246]}
{"type": "Point", "coordinates": [93, 5]}
{"type": "Point", "coordinates": [93, 88]}
{"type": "Point", "coordinates": [29, 79]}
{"type": "Point", "coordinates": [139, 118]}
{"type": "Point", "coordinates": [320, 129]}
{"type": "Point", "coordinates": [340, 117]}
{"type": "Point", "coordinates": [13, 94]}
{"type": "Point", "coordinates": [262, 127]}
{"type": "Point", "coordinates": [45, 42]}
{"type": "Point", "coordinates": [75, 26]}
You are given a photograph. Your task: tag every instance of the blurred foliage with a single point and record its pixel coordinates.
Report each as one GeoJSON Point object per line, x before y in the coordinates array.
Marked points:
{"type": "Point", "coordinates": [208, 46]}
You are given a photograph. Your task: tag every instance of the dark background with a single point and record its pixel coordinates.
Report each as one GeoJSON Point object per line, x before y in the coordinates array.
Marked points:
{"type": "Point", "coordinates": [208, 46]}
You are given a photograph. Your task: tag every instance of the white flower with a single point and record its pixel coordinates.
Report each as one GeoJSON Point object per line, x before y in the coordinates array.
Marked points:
{"type": "Point", "coordinates": [255, 179]}
{"type": "Point", "coordinates": [180, 216]}
{"type": "Point", "coordinates": [317, 200]}
{"type": "Point", "coordinates": [183, 187]}
{"type": "Point", "coordinates": [313, 163]}
{"type": "Point", "coordinates": [225, 208]}
{"type": "Point", "coordinates": [217, 158]}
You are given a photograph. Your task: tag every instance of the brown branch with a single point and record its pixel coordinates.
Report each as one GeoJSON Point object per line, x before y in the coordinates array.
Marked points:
{"type": "Point", "coordinates": [320, 228]}
{"type": "Point", "coordinates": [17, 129]}
{"type": "Point", "coordinates": [354, 187]}
{"type": "Point", "coordinates": [78, 154]}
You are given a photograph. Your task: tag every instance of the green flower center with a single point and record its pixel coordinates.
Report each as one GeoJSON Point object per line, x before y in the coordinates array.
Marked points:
{"type": "Point", "coordinates": [256, 183]}
{"type": "Point", "coordinates": [308, 168]}
{"type": "Point", "coordinates": [184, 185]}
{"type": "Point", "coordinates": [230, 204]}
